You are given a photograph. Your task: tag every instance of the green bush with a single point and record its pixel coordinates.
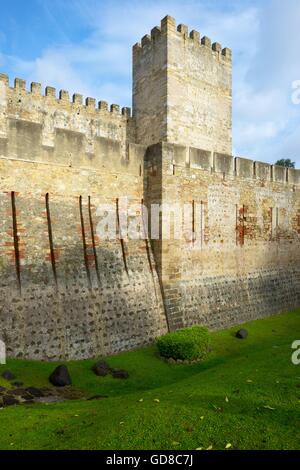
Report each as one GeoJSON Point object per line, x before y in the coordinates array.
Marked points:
{"type": "Point", "coordinates": [190, 344]}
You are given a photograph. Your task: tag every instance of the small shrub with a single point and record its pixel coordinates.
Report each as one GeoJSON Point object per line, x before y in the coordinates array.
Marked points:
{"type": "Point", "coordinates": [189, 344]}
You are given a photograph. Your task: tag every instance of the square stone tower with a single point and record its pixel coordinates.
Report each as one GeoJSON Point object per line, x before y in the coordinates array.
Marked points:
{"type": "Point", "coordinates": [182, 89]}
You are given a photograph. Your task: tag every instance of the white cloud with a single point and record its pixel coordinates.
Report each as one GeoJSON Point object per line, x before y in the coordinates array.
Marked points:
{"type": "Point", "coordinates": [102, 61]}
{"type": "Point", "coordinates": [264, 116]}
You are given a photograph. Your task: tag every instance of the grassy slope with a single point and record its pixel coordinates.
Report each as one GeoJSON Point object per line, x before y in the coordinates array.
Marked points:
{"type": "Point", "coordinates": [252, 374]}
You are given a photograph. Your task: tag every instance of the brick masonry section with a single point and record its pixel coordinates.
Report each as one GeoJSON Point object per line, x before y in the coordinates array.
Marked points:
{"type": "Point", "coordinates": [76, 310]}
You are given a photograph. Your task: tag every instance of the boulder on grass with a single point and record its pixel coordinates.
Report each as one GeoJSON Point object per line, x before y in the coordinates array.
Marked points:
{"type": "Point", "coordinates": [8, 375]}
{"type": "Point", "coordinates": [9, 400]}
{"type": "Point", "coordinates": [101, 368]}
{"type": "Point", "coordinates": [60, 377]}
{"type": "Point", "coordinates": [242, 334]}
{"type": "Point", "coordinates": [119, 374]}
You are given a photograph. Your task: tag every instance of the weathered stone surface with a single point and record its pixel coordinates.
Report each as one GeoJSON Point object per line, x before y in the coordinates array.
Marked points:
{"type": "Point", "coordinates": [244, 167]}
{"type": "Point", "coordinates": [182, 91]}
{"type": "Point", "coordinates": [9, 400]}
{"type": "Point", "coordinates": [223, 163]}
{"type": "Point", "coordinates": [60, 377]}
{"type": "Point", "coordinates": [201, 159]}
{"type": "Point", "coordinates": [262, 171]}
{"type": "Point", "coordinates": [244, 263]}
{"type": "Point", "coordinates": [279, 173]}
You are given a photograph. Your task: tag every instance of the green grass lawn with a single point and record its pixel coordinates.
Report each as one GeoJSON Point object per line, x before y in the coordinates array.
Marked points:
{"type": "Point", "coordinates": [247, 393]}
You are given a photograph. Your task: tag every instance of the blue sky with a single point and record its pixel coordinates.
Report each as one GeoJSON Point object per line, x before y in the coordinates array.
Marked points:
{"type": "Point", "coordinates": [85, 46]}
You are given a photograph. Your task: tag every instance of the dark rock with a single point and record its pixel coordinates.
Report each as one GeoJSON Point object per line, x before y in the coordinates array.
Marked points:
{"type": "Point", "coordinates": [119, 374]}
{"type": "Point", "coordinates": [2, 389]}
{"type": "Point", "coordinates": [60, 377]}
{"type": "Point", "coordinates": [18, 384]}
{"type": "Point", "coordinates": [26, 397]}
{"type": "Point", "coordinates": [16, 392]}
{"type": "Point", "coordinates": [101, 368]}
{"type": "Point", "coordinates": [34, 392]}
{"type": "Point", "coordinates": [242, 334]}
{"type": "Point", "coordinates": [8, 375]}
{"type": "Point", "coordinates": [8, 400]}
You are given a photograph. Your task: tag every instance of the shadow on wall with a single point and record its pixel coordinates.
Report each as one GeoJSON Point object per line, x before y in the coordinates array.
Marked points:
{"type": "Point", "coordinates": [82, 313]}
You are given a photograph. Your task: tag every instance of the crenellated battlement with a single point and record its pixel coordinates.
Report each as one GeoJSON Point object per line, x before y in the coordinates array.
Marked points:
{"type": "Point", "coordinates": [185, 160]}
{"type": "Point", "coordinates": [169, 27]}
{"type": "Point", "coordinates": [182, 88]}
{"type": "Point", "coordinates": [63, 97]}
{"type": "Point", "coordinates": [51, 126]}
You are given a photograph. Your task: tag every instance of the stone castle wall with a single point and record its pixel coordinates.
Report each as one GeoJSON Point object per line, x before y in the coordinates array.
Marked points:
{"type": "Point", "coordinates": [65, 292]}
{"type": "Point", "coordinates": [245, 261]}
